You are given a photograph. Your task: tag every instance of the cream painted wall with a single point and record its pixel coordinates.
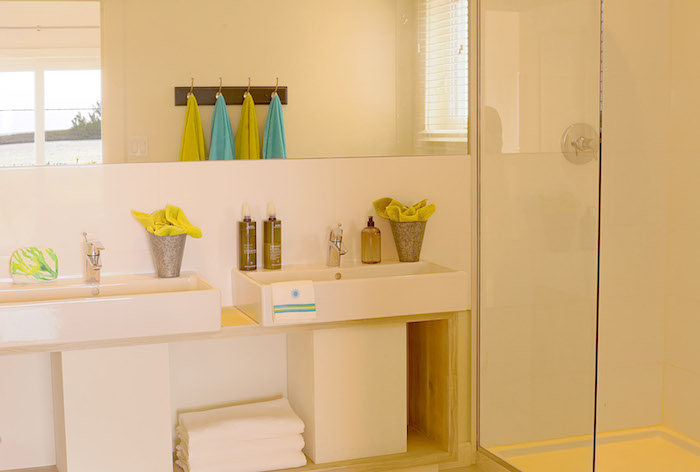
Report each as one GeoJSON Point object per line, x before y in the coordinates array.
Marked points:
{"type": "Point", "coordinates": [311, 195]}
{"type": "Point", "coordinates": [25, 42]}
{"type": "Point", "coordinates": [682, 354]}
{"type": "Point", "coordinates": [337, 58]}
{"type": "Point", "coordinates": [636, 133]}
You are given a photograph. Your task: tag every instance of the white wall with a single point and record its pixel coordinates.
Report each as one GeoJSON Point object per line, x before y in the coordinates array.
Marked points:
{"type": "Point", "coordinates": [52, 206]}
{"type": "Point", "coordinates": [636, 133]}
{"type": "Point", "coordinates": [682, 355]}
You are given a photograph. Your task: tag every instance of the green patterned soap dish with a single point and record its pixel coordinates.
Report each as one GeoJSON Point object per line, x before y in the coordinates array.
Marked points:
{"type": "Point", "coordinates": [31, 265]}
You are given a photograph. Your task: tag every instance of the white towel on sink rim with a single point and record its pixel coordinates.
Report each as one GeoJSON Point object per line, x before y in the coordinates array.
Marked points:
{"type": "Point", "coordinates": [293, 302]}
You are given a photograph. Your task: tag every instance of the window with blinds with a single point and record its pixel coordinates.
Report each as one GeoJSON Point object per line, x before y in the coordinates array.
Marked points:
{"type": "Point", "coordinates": [444, 51]}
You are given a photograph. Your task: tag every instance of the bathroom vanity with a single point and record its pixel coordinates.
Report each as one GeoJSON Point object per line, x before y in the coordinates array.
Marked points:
{"type": "Point", "coordinates": [380, 392]}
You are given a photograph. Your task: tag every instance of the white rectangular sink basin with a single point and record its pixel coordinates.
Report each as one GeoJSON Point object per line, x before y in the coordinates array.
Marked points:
{"type": "Point", "coordinates": [359, 291]}
{"type": "Point", "coordinates": [120, 307]}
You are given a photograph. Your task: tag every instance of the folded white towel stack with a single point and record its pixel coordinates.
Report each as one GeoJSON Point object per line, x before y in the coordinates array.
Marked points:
{"type": "Point", "coordinates": [245, 438]}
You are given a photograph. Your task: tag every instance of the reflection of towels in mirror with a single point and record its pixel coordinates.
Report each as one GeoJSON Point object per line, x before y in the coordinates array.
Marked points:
{"type": "Point", "coordinates": [193, 146]}
{"type": "Point", "coordinates": [222, 144]}
{"type": "Point", "coordinates": [274, 145]}
{"type": "Point", "coordinates": [247, 138]}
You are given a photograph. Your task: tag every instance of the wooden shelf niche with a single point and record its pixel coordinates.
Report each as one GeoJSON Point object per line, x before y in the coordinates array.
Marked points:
{"type": "Point", "coordinates": [429, 389]}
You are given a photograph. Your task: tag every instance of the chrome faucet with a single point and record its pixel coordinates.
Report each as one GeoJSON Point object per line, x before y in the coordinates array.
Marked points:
{"type": "Point", "coordinates": [336, 248]}
{"type": "Point", "coordinates": [93, 263]}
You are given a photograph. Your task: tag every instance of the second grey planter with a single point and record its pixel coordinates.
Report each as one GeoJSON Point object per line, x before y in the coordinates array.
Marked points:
{"type": "Point", "coordinates": [408, 237]}
{"type": "Point", "coordinates": [167, 252]}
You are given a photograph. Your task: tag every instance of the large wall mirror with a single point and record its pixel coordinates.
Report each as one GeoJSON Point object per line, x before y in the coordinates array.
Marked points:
{"type": "Point", "coordinates": [85, 82]}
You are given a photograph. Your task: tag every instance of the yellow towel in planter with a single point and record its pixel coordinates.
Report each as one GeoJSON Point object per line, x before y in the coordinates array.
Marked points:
{"type": "Point", "coordinates": [176, 217]}
{"type": "Point", "coordinates": [193, 146]}
{"type": "Point", "coordinates": [396, 211]}
{"type": "Point", "coordinates": [247, 137]}
{"type": "Point", "coordinates": [169, 221]}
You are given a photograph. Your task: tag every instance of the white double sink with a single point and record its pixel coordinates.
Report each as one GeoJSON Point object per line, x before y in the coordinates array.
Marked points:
{"type": "Point", "coordinates": [138, 306]}
{"type": "Point", "coordinates": [359, 291]}
{"type": "Point", "coordinates": [120, 307]}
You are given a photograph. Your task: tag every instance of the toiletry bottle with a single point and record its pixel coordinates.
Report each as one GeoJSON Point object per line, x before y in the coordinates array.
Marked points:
{"type": "Point", "coordinates": [371, 243]}
{"type": "Point", "coordinates": [247, 253]}
{"type": "Point", "coordinates": [272, 240]}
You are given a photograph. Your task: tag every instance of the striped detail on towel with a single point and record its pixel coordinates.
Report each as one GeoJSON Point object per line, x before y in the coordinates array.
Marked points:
{"type": "Point", "coordinates": [295, 308]}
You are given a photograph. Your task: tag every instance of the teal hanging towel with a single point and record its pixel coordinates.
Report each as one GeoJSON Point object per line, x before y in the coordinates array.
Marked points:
{"type": "Point", "coordinates": [222, 145]}
{"type": "Point", "coordinates": [274, 145]}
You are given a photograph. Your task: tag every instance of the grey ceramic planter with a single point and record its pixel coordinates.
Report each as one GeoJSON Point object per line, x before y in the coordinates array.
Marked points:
{"type": "Point", "coordinates": [167, 252]}
{"type": "Point", "coordinates": [408, 237]}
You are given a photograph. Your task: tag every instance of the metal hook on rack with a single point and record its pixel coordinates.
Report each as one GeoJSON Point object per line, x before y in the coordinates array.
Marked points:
{"type": "Point", "coordinates": [191, 88]}
{"type": "Point", "coordinates": [277, 85]}
{"type": "Point", "coordinates": [218, 94]}
{"type": "Point", "coordinates": [247, 92]}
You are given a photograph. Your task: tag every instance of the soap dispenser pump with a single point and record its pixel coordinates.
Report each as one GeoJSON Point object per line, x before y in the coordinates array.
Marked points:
{"type": "Point", "coordinates": [247, 250]}
{"type": "Point", "coordinates": [371, 243]}
{"type": "Point", "coordinates": [272, 240]}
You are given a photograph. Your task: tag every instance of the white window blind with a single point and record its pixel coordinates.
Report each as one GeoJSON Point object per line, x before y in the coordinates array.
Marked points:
{"type": "Point", "coordinates": [444, 47]}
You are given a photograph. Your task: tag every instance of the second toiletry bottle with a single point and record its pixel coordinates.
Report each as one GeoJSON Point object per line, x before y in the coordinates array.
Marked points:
{"type": "Point", "coordinates": [247, 251]}
{"type": "Point", "coordinates": [272, 240]}
{"type": "Point", "coordinates": [371, 243]}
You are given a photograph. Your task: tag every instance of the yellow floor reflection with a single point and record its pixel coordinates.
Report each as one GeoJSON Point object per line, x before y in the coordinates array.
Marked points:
{"type": "Point", "coordinates": [644, 450]}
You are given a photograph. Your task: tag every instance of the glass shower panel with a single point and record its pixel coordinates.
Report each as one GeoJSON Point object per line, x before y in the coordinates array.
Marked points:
{"type": "Point", "coordinates": [539, 191]}
{"type": "Point", "coordinates": [648, 350]}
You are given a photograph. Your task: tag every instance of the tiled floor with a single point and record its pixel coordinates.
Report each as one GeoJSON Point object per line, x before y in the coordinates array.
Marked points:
{"type": "Point", "coordinates": [643, 450]}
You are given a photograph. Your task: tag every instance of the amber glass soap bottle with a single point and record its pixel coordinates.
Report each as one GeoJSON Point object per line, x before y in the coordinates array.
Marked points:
{"type": "Point", "coordinates": [371, 243]}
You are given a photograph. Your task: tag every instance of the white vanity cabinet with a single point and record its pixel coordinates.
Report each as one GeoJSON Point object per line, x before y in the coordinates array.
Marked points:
{"type": "Point", "coordinates": [349, 387]}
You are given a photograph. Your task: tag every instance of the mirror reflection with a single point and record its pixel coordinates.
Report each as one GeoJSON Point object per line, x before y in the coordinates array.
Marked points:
{"type": "Point", "coordinates": [50, 83]}
{"type": "Point", "coordinates": [364, 78]}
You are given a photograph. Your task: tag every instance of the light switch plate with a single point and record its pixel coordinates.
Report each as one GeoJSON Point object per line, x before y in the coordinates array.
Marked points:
{"type": "Point", "coordinates": [138, 146]}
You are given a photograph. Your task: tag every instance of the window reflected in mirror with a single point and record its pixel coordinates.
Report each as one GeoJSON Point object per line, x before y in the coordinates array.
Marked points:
{"type": "Point", "coordinates": [444, 63]}
{"type": "Point", "coordinates": [50, 83]}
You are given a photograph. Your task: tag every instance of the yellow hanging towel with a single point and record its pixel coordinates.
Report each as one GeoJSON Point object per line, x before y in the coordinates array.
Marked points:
{"type": "Point", "coordinates": [247, 137]}
{"type": "Point", "coordinates": [193, 146]}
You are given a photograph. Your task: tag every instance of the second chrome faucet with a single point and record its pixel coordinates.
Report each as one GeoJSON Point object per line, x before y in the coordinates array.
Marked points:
{"type": "Point", "coordinates": [93, 261]}
{"type": "Point", "coordinates": [336, 248]}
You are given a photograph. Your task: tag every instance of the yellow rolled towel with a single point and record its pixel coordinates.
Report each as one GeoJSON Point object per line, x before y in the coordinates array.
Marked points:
{"type": "Point", "coordinates": [396, 211]}
{"type": "Point", "coordinates": [169, 221]}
